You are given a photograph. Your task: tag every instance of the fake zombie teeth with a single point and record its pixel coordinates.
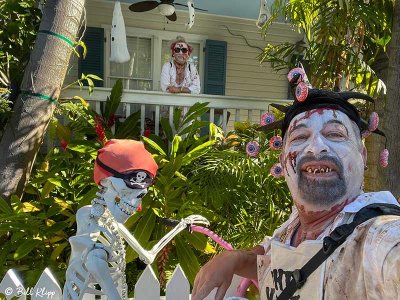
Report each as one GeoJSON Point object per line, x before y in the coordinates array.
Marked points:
{"type": "Point", "coordinates": [318, 170]}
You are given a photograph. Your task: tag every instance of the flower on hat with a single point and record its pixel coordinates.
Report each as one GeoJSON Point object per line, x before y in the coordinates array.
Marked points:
{"type": "Point", "coordinates": [275, 143]}
{"type": "Point", "coordinates": [252, 148]}
{"type": "Point", "coordinates": [276, 170]}
{"type": "Point", "coordinates": [373, 121]}
{"type": "Point", "coordinates": [384, 158]}
{"type": "Point", "coordinates": [267, 118]}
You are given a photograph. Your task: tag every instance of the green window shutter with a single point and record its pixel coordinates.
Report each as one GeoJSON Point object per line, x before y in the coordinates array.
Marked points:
{"type": "Point", "coordinates": [94, 61]}
{"type": "Point", "coordinates": [215, 67]}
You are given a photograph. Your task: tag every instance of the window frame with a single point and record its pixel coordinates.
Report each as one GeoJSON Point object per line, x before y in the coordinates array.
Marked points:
{"type": "Point", "coordinates": [156, 36]}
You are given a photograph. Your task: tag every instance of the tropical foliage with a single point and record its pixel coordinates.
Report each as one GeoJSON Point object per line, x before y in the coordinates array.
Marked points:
{"type": "Point", "coordinates": [207, 175]}
{"type": "Point", "coordinates": [342, 39]}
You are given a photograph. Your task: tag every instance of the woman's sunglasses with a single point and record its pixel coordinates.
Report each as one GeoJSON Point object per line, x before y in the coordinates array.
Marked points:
{"type": "Point", "coordinates": [183, 50]}
{"type": "Point", "coordinates": [138, 179]}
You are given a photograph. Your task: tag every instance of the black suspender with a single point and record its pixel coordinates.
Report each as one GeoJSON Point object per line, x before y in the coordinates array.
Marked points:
{"type": "Point", "coordinates": [332, 242]}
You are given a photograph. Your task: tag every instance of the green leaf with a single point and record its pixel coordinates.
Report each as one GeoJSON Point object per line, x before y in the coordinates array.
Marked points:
{"type": "Point", "coordinates": [175, 145]}
{"type": "Point", "coordinates": [58, 250]}
{"type": "Point", "coordinates": [187, 259]}
{"type": "Point", "coordinates": [25, 248]}
{"type": "Point", "coordinates": [166, 128]}
{"type": "Point", "coordinates": [145, 227]}
{"type": "Point", "coordinates": [177, 117]}
{"type": "Point", "coordinates": [114, 100]}
{"type": "Point", "coordinates": [5, 207]}
{"type": "Point", "coordinates": [130, 127]}
{"type": "Point", "coordinates": [197, 152]}
{"type": "Point", "coordinates": [154, 145]}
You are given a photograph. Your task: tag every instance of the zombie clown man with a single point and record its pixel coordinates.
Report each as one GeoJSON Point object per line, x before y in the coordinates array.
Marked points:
{"type": "Point", "coordinates": [339, 242]}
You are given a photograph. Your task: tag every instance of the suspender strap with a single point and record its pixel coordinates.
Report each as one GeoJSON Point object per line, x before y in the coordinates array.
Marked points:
{"type": "Point", "coordinates": [332, 242]}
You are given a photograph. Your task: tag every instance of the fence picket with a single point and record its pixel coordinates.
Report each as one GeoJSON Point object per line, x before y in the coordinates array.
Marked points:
{"type": "Point", "coordinates": [178, 287]}
{"type": "Point", "coordinates": [147, 287]}
{"type": "Point", "coordinates": [47, 287]}
{"type": "Point", "coordinates": [11, 286]}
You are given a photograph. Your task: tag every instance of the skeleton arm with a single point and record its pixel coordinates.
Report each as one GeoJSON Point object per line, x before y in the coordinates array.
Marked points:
{"type": "Point", "coordinates": [97, 265]}
{"type": "Point", "coordinates": [149, 256]}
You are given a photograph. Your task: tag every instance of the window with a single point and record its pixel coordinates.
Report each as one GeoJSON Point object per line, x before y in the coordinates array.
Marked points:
{"type": "Point", "coordinates": [137, 72]}
{"type": "Point", "coordinates": [149, 50]}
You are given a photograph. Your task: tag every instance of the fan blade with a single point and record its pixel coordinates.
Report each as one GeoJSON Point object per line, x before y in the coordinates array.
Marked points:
{"type": "Point", "coordinates": [143, 6]}
{"type": "Point", "coordinates": [180, 4]}
{"type": "Point", "coordinates": [196, 8]}
{"type": "Point", "coordinates": [172, 17]}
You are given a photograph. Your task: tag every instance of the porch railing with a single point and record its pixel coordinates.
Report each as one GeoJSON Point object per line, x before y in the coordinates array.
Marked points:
{"type": "Point", "coordinates": [154, 104]}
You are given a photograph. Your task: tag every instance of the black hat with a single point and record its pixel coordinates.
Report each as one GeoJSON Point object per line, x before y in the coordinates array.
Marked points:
{"type": "Point", "coordinates": [307, 98]}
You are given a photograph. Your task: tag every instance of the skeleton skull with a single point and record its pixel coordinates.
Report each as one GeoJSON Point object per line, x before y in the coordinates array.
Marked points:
{"type": "Point", "coordinates": [140, 176]}
{"type": "Point", "coordinates": [121, 201]}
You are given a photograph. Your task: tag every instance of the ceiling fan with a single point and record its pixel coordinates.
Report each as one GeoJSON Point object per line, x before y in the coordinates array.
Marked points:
{"type": "Point", "coordinates": [166, 7]}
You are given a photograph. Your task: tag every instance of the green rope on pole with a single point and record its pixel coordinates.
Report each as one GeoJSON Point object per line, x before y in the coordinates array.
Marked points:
{"type": "Point", "coordinates": [58, 35]}
{"type": "Point", "coordinates": [41, 96]}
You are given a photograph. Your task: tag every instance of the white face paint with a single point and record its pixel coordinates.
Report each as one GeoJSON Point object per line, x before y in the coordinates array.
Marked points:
{"type": "Point", "coordinates": [323, 158]}
{"type": "Point", "coordinates": [181, 58]}
{"type": "Point", "coordinates": [121, 201]}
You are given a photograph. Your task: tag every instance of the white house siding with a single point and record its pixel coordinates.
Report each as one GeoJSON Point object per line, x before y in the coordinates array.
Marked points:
{"type": "Point", "coordinates": [245, 75]}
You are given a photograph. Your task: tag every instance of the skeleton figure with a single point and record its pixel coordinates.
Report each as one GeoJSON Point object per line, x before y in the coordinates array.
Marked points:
{"type": "Point", "coordinates": [123, 170]}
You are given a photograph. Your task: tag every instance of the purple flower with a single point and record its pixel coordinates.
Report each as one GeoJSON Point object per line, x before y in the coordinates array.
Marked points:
{"type": "Point", "coordinates": [275, 143]}
{"type": "Point", "coordinates": [252, 148]}
{"type": "Point", "coordinates": [267, 118]}
{"type": "Point", "coordinates": [276, 170]}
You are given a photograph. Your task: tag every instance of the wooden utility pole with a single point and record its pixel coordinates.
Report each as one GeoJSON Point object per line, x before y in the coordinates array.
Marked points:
{"type": "Point", "coordinates": [41, 86]}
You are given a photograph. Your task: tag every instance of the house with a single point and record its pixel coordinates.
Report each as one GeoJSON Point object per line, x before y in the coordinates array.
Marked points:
{"type": "Point", "coordinates": [226, 44]}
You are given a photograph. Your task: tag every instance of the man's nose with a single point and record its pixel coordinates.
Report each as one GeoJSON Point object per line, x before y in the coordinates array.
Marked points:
{"type": "Point", "coordinates": [317, 145]}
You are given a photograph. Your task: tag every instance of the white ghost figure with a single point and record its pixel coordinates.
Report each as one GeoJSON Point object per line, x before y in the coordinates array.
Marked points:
{"type": "Point", "coordinates": [119, 48]}
{"type": "Point", "coordinates": [264, 14]}
{"type": "Point", "coordinates": [191, 14]}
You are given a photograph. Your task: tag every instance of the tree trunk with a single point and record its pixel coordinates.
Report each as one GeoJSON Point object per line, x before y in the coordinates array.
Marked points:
{"type": "Point", "coordinates": [42, 82]}
{"type": "Point", "coordinates": [391, 175]}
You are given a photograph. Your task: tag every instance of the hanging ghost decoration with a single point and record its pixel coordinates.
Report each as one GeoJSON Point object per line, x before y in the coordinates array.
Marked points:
{"type": "Point", "coordinates": [191, 14]}
{"type": "Point", "coordinates": [264, 14]}
{"type": "Point", "coordinates": [119, 48]}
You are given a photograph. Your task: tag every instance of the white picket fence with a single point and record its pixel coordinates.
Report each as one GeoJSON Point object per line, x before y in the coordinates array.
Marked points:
{"type": "Point", "coordinates": [146, 288]}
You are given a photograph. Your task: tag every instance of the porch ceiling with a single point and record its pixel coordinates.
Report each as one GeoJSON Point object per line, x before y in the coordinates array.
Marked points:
{"type": "Point", "coordinates": [248, 9]}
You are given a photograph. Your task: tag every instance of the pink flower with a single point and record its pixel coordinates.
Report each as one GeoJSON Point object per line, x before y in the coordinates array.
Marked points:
{"type": "Point", "coordinates": [373, 121]}
{"type": "Point", "coordinates": [267, 118]}
{"type": "Point", "coordinates": [276, 170]}
{"type": "Point", "coordinates": [275, 143]}
{"type": "Point", "coordinates": [252, 148]}
{"type": "Point", "coordinates": [384, 158]}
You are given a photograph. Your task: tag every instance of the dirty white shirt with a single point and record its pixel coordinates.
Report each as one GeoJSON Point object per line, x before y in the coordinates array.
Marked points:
{"type": "Point", "coordinates": [191, 80]}
{"type": "Point", "coordinates": [365, 266]}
